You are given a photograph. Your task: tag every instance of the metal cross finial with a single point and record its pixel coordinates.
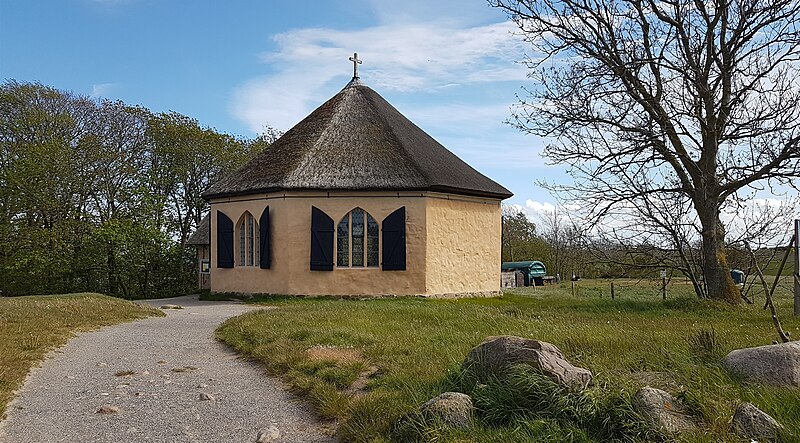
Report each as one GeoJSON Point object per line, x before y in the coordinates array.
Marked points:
{"type": "Point", "coordinates": [356, 62]}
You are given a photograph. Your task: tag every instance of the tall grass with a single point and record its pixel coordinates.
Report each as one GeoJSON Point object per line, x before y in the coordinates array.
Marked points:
{"type": "Point", "coordinates": [31, 326]}
{"type": "Point", "coordinates": [418, 345]}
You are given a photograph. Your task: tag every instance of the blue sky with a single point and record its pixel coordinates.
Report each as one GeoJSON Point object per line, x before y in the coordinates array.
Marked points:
{"type": "Point", "coordinates": [451, 66]}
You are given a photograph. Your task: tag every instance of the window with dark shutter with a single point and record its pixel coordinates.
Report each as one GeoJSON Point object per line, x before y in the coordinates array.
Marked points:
{"type": "Point", "coordinates": [321, 241]}
{"type": "Point", "coordinates": [357, 240]}
{"type": "Point", "coordinates": [394, 241]}
{"type": "Point", "coordinates": [224, 241]}
{"type": "Point", "coordinates": [264, 246]}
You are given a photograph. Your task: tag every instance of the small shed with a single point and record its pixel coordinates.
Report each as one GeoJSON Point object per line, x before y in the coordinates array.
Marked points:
{"type": "Point", "coordinates": [201, 239]}
{"type": "Point", "coordinates": [738, 277]}
{"type": "Point", "coordinates": [533, 272]}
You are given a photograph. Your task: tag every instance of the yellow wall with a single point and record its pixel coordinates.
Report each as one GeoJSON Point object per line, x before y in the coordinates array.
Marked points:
{"type": "Point", "coordinates": [290, 215]}
{"type": "Point", "coordinates": [465, 235]}
{"type": "Point", "coordinates": [463, 246]}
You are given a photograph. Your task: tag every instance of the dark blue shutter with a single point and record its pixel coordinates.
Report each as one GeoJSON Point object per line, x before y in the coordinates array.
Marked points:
{"type": "Point", "coordinates": [394, 241]}
{"type": "Point", "coordinates": [264, 240]}
{"type": "Point", "coordinates": [321, 241]}
{"type": "Point", "coordinates": [224, 241]}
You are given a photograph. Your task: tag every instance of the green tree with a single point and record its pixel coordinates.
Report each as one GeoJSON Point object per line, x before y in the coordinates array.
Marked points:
{"type": "Point", "coordinates": [519, 240]}
{"type": "Point", "coordinates": [98, 195]}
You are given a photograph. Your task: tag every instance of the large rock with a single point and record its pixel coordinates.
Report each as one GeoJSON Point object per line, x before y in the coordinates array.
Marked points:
{"type": "Point", "coordinates": [777, 365]}
{"type": "Point", "coordinates": [496, 354]}
{"type": "Point", "coordinates": [661, 410]}
{"type": "Point", "coordinates": [752, 423]}
{"type": "Point", "coordinates": [453, 409]}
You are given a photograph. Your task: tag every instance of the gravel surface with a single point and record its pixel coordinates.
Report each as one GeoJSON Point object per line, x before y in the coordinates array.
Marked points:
{"type": "Point", "coordinates": [185, 387]}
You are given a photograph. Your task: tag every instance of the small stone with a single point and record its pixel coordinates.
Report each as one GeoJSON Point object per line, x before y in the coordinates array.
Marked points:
{"type": "Point", "coordinates": [202, 386]}
{"type": "Point", "coordinates": [206, 396]}
{"type": "Point", "coordinates": [271, 434]}
{"type": "Point", "coordinates": [662, 410]}
{"type": "Point", "coordinates": [70, 377]}
{"type": "Point", "coordinates": [100, 365]}
{"type": "Point", "coordinates": [453, 409]}
{"type": "Point", "coordinates": [108, 409]}
{"type": "Point", "coordinates": [145, 372]}
{"type": "Point", "coordinates": [104, 394]}
{"type": "Point", "coordinates": [753, 423]}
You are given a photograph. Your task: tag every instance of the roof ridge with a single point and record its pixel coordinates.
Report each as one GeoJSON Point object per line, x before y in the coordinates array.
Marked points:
{"type": "Point", "coordinates": [309, 153]}
{"type": "Point", "coordinates": [405, 154]}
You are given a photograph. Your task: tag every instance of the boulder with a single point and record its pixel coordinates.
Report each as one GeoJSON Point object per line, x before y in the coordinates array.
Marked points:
{"type": "Point", "coordinates": [496, 354]}
{"type": "Point", "coordinates": [752, 423]}
{"type": "Point", "coordinates": [452, 409]}
{"type": "Point", "coordinates": [776, 365]}
{"type": "Point", "coordinates": [661, 410]}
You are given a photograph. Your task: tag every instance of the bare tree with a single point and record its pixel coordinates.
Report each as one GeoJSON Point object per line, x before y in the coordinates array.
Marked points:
{"type": "Point", "coordinates": [567, 252]}
{"type": "Point", "coordinates": [696, 100]}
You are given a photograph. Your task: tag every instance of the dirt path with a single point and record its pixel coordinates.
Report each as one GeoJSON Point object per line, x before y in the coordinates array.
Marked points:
{"type": "Point", "coordinates": [175, 362]}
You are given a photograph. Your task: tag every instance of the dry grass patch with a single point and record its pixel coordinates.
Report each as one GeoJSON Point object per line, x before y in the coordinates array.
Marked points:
{"type": "Point", "coordinates": [335, 354]}
{"type": "Point", "coordinates": [32, 326]}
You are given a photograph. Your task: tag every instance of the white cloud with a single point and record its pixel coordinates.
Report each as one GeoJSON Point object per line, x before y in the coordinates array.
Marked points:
{"type": "Point", "coordinates": [403, 57]}
{"type": "Point", "coordinates": [537, 207]}
{"type": "Point", "coordinates": [102, 89]}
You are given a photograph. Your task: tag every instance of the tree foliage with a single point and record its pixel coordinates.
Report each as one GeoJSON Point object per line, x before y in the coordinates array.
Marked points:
{"type": "Point", "coordinates": [666, 112]}
{"type": "Point", "coordinates": [96, 195]}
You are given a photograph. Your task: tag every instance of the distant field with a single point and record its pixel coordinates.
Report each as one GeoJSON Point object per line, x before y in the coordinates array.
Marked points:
{"type": "Point", "coordinates": [31, 326]}
{"type": "Point", "coordinates": [320, 346]}
{"type": "Point", "coordinates": [773, 266]}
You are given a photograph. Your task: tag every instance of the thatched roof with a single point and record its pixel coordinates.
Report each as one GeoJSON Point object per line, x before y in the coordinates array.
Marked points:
{"type": "Point", "coordinates": [202, 235]}
{"type": "Point", "coordinates": [356, 141]}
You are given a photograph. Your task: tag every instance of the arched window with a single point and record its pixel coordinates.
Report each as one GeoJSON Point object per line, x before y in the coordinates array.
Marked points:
{"type": "Point", "coordinates": [248, 235]}
{"type": "Point", "coordinates": [357, 240]}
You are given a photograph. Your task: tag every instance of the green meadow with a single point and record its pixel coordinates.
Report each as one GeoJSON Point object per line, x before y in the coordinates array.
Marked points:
{"type": "Point", "coordinates": [364, 364]}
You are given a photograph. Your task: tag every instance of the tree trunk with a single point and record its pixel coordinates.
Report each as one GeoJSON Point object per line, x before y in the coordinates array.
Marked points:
{"type": "Point", "coordinates": [111, 269]}
{"type": "Point", "coordinates": [716, 271]}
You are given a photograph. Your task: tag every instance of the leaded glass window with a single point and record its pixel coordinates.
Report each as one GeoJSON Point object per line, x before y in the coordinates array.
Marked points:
{"type": "Point", "coordinates": [242, 248]}
{"type": "Point", "coordinates": [357, 240]}
{"type": "Point", "coordinates": [343, 242]}
{"type": "Point", "coordinates": [248, 240]}
{"type": "Point", "coordinates": [372, 241]}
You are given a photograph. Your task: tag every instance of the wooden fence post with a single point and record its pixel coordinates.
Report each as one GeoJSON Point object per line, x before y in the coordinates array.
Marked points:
{"type": "Point", "coordinates": [612, 289]}
{"type": "Point", "coordinates": [796, 275]}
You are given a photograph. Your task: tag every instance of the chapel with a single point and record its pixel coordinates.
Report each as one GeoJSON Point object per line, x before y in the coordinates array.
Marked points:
{"type": "Point", "coordinates": [355, 200]}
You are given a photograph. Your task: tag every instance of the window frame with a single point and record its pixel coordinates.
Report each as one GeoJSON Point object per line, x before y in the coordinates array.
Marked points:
{"type": "Point", "coordinates": [248, 239]}
{"type": "Point", "coordinates": [365, 240]}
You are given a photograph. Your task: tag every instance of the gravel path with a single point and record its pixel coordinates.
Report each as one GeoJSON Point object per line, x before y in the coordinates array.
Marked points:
{"type": "Point", "coordinates": [176, 362]}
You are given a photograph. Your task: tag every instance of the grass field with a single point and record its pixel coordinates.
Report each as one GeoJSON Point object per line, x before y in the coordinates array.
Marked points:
{"type": "Point", "coordinates": [412, 349]}
{"type": "Point", "coordinates": [31, 326]}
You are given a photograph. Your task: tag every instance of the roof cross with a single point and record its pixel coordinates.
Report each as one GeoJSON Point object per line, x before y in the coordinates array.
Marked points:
{"type": "Point", "coordinates": [356, 62]}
